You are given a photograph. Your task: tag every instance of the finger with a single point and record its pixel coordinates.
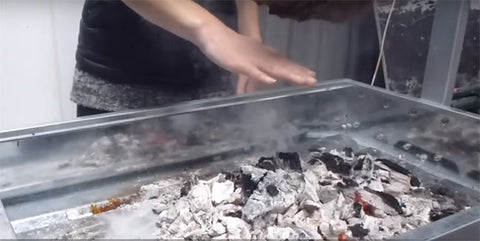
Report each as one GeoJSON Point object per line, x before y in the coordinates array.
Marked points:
{"type": "Point", "coordinates": [252, 86]}
{"type": "Point", "coordinates": [257, 74]}
{"type": "Point", "coordinates": [284, 69]}
{"type": "Point", "coordinates": [241, 84]}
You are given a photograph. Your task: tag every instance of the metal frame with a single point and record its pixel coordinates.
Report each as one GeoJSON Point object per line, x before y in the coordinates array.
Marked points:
{"type": "Point", "coordinates": [463, 219]}
{"type": "Point", "coordinates": [6, 230]}
{"type": "Point", "coordinates": [123, 117]}
{"type": "Point", "coordinates": [445, 49]}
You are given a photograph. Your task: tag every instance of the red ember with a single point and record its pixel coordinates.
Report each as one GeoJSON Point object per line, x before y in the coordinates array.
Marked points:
{"type": "Point", "coordinates": [342, 237]}
{"type": "Point", "coordinates": [367, 208]}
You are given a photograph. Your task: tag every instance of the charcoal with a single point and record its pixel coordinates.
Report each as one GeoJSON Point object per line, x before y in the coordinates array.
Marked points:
{"type": "Point", "coordinates": [248, 186]}
{"type": "Point", "coordinates": [442, 191]}
{"type": "Point", "coordinates": [475, 175]}
{"type": "Point", "coordinates": [357, 208]}
{"type": "Point", "coordinates": [335, 164]}
{"type": "Point", "coordinates": [450, 165]}
{"type": "Point", "coordinates": [325, 183]}
{"type": "Point", "coordinates": [389, 199]}
{"type": "Point", "coordinates": [235, 214]}
{"type": "Point", "coordinates": [358, 166]}
{"type": "Point", "coordinates": [267, 163]}
{"type": "Point", "coordinates": [330, 160]}
{"type": "Point", "coordinates": [394, 166]}
{"type": "Point", "coordinates": [358, 231]}
{"type": "Point", "coordinates": [275, 198]}
{"type": "Point", "coordinates": [414, 181]}
{"type": "Point", "coordinates": [347, 183]}
{"type": "Point", "coordinates": [344, 168]}
{"type": "Point", "coordinates": [388, 181]}
{"type": "Point", "coordinates": [291, 160]}
{"type": "Point", "coordinates": [348, 151]}
{"type": "Point", "coordinates": [185, 189]}
{"type": "Point", "coordinates": [436, 214]}
{"type": "Point", "coordinates": [272, 190]}
{"type": "Point", "coordinates": [313, 161]}
{"type": "Point", "coordinates": [367, 207]}
{"type": "Point", "coordinates": [235, 177]}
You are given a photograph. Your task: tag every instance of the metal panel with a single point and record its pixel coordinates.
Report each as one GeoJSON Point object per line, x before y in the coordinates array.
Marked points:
{"type": "Point", "coordinates": [277, 33]}
{"type": "Point", "coordinates": [305, 43]}
{"type": "Point", "coordinates": [6, 231]}
{"type": "Point", "coordinates": [445, 48]}
{"type": "Point", "coordinates": [317, 44]}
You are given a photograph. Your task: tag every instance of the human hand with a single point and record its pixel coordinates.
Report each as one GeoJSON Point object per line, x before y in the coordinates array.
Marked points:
{"type": "Point", "coordinates": [246, 85]}
{"type": "Point", "coordinates": [249, 57]}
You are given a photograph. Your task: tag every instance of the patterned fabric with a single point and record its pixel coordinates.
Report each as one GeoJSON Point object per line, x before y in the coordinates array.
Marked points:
{"type": "Point", "coordinates": [127, 62]}
{"type": "Point", "coordinates": [93, 92]}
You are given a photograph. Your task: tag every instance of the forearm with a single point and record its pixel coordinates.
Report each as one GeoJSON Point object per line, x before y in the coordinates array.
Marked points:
{"type": "Point", "coordinates": [183, 18]}
{"type": "Point", "coordinates": [248, 23]}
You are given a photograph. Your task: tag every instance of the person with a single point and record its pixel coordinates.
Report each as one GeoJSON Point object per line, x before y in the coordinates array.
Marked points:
{"type": "Point", "coordinates": [143, 53]}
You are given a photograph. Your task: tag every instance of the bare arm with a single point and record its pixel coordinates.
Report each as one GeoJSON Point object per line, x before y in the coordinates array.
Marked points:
{"type": "Point", "coordinates": [248, 23]}
{"type": "Point", "coordinates": [183, 18]}
{"type": "Point", "coordinates": [222, 45]}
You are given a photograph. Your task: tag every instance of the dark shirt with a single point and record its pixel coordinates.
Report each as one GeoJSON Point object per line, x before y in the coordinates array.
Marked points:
{"type": "Point", "coordinates": [118, 45]}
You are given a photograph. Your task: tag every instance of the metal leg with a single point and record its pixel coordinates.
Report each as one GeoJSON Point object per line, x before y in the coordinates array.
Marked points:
{"type": "Point", "coordinates": [445, 48]}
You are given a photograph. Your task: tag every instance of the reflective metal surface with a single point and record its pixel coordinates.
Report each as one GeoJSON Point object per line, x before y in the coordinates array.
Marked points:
{"type": "Point", "coordinates": [56, 167]}
{"type": "Point", "coordinates": [5, 227]}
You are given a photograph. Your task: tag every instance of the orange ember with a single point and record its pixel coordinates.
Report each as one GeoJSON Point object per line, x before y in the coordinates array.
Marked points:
{"type": "Point", "coordinates": [112, 204]}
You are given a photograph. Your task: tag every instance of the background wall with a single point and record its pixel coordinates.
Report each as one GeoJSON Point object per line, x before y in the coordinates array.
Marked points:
{"type": "Point", "coordinates": [37, 44]}
{"type": "Point", "coordinates": [38, 40]}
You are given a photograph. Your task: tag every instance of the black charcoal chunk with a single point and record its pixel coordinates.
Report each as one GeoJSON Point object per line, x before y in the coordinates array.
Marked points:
{"type": "Point", "coordinates": [475, 175]}
{"type": "Point", "coordinates": [358, 231]}
{"type": "Point", "coordinates": [325, 183]}
{"type": "Point", "coordinates": [347, 183]}
{"type": "Point", "coordinates": [344, 168]}
{"type": "Point", "coordinates": [414, 181]}
{"type": "Point", "coordinates": [389, 199]}
{"type": "Point", "coordinates": [267, 163]}
{"type": "Point", "coordinates": [330, 160]}
{"type": "Point", "coordinates": [450, 165]}
{"type": "Point", "coordinates": [436, 214]}
{"type": "Point", "coordinates": [394, 166]}
{"type": "Point", "coordinates": [358, 166]}
{"type": "Point", "coordinates": [335, 164]}
{"type": "Point", "coordinates": [357, 209]}
{"type": "Point", "coordinates": [236, 214]}
{"type": "Point", "coordinates": [291, 160]}
{"type": "Point", "coordinates": [272, 190]}
{"type": "Point", "coordinates": [313, 161]}
{"type": "Point", "coordinates": [441, 190]}
{"type": "Point", "coordinates": [235, 177]}
{"type": "Point", "coordinates": [348, 151]}
{"type": "Point", "coordinates": [185, 189]}
{"type": "Point", "coordinates": [248, 186]}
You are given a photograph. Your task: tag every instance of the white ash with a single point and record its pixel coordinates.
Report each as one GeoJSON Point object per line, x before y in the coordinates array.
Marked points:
{"type": "Point", "coordinates": [312, 203]}
{"type": "Point", "coordinates": [222, 191]}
